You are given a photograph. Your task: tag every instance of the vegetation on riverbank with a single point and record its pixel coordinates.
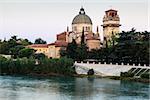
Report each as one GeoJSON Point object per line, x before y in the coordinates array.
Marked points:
{"type": "Point", "coordinates": [143, 80]}
{"type": "Point", "coordinates": [129, 47]}
{"type": "Point", "coordinates": [45, 66]}
{"type": "Point", "coordinates": [51, 67]}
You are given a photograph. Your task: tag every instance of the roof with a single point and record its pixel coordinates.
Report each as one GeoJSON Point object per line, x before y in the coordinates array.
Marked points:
{"type": "Point", "coordinates": [59, 43]}
{"type": "Point", "coordinates": [62, 33]}
{"type": "Point", "coordinates": [111, 10]}
{"type": "Point", "coordinates": [38, 46]}
{"type": "Point", "coordinates": [82, 18]}
{"type": "Point", "coordinates": [92, 36]}
{"type": "Point", "coordinates": [51, 44]}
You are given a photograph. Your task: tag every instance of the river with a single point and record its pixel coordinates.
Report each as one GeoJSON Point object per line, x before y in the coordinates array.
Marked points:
{"type": "Point", "coordinates": [70, 88]}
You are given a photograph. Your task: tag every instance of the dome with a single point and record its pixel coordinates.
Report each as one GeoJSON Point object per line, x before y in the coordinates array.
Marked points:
{"type": "Point", "coordinates": [82, 18]}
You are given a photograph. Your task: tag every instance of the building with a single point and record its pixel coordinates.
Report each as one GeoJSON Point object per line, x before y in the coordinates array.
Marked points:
{"type": "Point", "coordinates": [51, 50]}
{"type": "Point", "coordinates": [111, 23]}
{"type": "Point", "coordinates": [40, 48]}
{"type": "Point", "coordinates": [81, 24]}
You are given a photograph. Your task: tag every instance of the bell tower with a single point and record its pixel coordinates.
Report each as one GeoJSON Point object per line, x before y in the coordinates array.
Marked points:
{"type": "Point", "coordinates": [111, 23]}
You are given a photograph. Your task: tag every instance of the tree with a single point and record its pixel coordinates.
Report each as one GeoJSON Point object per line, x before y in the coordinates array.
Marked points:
{"type": "Point", "coordinates": [39, 56]}
{"type": "Point", "coordinates": [39, 41]}
{"type": "Point", "coordinates": [82, 52]}
{"type": "Point", "coordinates": [133, 46]}
{"type": "Point", "coordinates": [113, 39]}
{"type": "Point", "coordinates": [63, 52]}
{"type": "Point", "coordinates": [82, 48]}
{"type": "Point", "coordinates": [14, 38]}
{"type": "Point", "coordinates": [130, 47]}
{"type": "Point", "coordinates": [26, 52]}
{"type": "Point", "coordinates": [24, 42]}
{"type": "Point", "coordinates": [4, 48]}
{"type": "Point", "coordinates": [15, 50]}
{"type": "Point", "coordinates": [106, 42]}
{"type": "Point", "coordinates": [82, 37]}
{"type": "Point", "coordinates": [71, 49]}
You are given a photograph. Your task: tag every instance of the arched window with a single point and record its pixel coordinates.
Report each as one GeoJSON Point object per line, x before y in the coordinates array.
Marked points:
{"type": "Point", "coordinates": [112, 14]}
{"type": "Point", "coordinates": [75, 28]}
{"type": "Point", "coordinates": [86, 28]}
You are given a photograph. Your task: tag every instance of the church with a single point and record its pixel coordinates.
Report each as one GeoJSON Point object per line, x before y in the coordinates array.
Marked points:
{"type": "Point", "coordinates": [82, 24]}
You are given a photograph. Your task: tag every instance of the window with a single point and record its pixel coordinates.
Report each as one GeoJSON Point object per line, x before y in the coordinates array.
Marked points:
{"type": "Point", "coordinates": [112, 14]}
{"type": "Point", "coordinates": [75, 28]}
{"type": "Point", "coordinates": [86, 29]}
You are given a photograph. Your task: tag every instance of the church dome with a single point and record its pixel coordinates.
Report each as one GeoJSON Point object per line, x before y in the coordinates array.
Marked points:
{"type": "Point", "coordinates": [82, 18]}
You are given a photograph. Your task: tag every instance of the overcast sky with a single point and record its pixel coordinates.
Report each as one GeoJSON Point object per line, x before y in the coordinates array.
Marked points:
{"type": "Point", "coordinates": [32, 19]}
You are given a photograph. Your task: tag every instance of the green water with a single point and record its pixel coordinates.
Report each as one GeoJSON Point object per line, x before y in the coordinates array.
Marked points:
{"type": "Point", "coordinates": [68, 88]}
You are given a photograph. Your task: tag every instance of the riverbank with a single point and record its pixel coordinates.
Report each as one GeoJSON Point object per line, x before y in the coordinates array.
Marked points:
{"type": "Point", "coordinates": [47, 68]}
{"type": "Point", "coordinates": [46, 75]}
{"type": "Point", "coordinates": [143, 80]}
{"type": "Point", "coordinates": [27, 66]}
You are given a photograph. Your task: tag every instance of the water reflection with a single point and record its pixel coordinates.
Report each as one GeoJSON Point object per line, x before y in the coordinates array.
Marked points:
{"type": "Point", "coordinates": [128, 88]}
{"type": "Point", "coordinates": [69, 88]}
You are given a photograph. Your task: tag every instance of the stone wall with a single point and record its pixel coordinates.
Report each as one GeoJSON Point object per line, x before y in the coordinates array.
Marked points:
{"type": "Point", "coordinates": [105, 69]}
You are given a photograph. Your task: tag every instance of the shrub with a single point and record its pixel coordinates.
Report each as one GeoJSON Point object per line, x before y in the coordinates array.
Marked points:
{"type": "Point", "coordinates": [90, 72]}
{"type": "Point", "coordinates": [27, 66]}
{"type": "Point", "coordinates": [147, 76]}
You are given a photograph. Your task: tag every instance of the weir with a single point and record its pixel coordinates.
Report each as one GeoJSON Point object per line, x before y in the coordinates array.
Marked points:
{"type": "Point", "coordinates": [110, 69]}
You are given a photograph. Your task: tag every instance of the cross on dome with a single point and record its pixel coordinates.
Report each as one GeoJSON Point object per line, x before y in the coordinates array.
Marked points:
{"type": "Point", "coordinates": [82, 11]}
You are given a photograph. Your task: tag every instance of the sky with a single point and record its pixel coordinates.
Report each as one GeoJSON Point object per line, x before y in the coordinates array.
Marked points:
{"type": "Point", "coordinates": [44, 19]}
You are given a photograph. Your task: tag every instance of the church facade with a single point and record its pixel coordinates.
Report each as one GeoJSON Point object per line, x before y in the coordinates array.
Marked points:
{"type": "Point", "coordinates": [81, 24]}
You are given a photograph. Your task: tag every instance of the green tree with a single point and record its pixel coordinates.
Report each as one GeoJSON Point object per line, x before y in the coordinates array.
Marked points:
{"type": "Point", "coordinates": [39, 56]}
{"type": "Point", "coordinates": [130, 46]}
{"type": "Point", "coordinates": [133, 46]}
{"type": "Point", "coordinates": [82, 37]}
{"type": "Point", "coordinates": [63, 52]}
{"type": "Point", "coordinates": [4, 48]}
{"type": "Point", "coordinates": [71, 49]}
{"type": "Point", "coordinates": [82, 52]}
{"type": "Point", "coordinates": [15, 50]}
{"type": "Point", "coordinates": [24, 42]}
{"type": "Point", "coordinates": [14, 38]}
{"type": "Point", "coordinates": [39, 41]}
{"type": "Point", "coordinates": [82, 48]}
{"type": "Point", "coordinates": [26, 52]}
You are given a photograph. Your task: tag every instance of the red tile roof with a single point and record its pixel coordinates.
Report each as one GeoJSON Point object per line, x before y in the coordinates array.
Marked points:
{"type": "Point", "coordinates": [62, 33]}
{"type": "Point", "coordinates": [51, 44]}
{"type": "Point", "coordinates": [59, 43]}
{"type": "Point", "coordinates": [92, 36]}
{"type": "Point", "coordinates": [38, 46]}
